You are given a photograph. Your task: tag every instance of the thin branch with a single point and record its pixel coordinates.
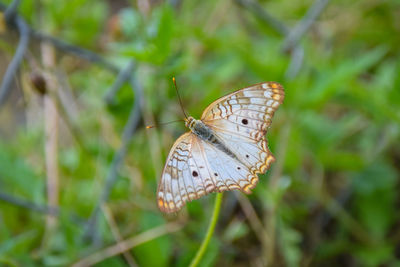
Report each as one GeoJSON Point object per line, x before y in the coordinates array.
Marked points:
{"type": "Point", "coordinates": [128, 244]}
{"type": "Point", "coordinates": [63, 112]}
{"type": "Point", "coordinates": [12, 69]}
{"type": "Point", "coordinates": [64, 46]}
{"type": "Point", "coordinates": [135, 116]}
{"type": "Point", "coordinates": [123, 76]}
{"type": "Point", "coordinates": [25, 32]}
{"type": "Point", "coordinates": [129, 130]}
{"type": "Point", "coordinates": [76, 50]}
{"type": "Point", "coordinates": [74, 130]}
{"type": "Point", "coordinates": [297, 55]}
{"type": "Point", "coordinates": [304, 25]}
{"type": "Point", "coordinates": [253, 219]}
{"type": "Point", "coordinates": [51, 128]}
{"type": "Point", "coordinates": [11, 11]}
{"type": "Point", "coordinates": [255, 8]}
{"type": "Point", "coordinates": [296, 62]}
{"type": "Point", "coordinates": [152, 139]}
{"type": "Point", "coordinates": [117, 235]}
{"type": "Point", "coordinates": [26, 204]}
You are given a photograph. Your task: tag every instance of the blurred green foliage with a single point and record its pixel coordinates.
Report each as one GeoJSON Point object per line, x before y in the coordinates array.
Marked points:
{"type": "Point", "coordinates": [330, 199]}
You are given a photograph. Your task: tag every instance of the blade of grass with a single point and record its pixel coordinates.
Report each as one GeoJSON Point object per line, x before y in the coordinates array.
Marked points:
{"type": "Point", "coordinates": [200, 253]}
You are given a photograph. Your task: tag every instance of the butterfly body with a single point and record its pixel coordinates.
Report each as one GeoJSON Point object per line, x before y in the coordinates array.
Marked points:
{"type": "Point", "coordinates": [224, 150]}
{"type": "Point", "coordinates": [207, 134]}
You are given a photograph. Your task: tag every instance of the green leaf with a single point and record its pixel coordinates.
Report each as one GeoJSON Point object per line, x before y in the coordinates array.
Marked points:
{"type": "Point", "coordinates": [339, 79]}
{"type": "Point", "coordinates": [375, 198]}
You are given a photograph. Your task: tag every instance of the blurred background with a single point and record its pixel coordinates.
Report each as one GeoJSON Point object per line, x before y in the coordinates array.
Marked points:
{"type": "Point", "coordinates": [79, 171]}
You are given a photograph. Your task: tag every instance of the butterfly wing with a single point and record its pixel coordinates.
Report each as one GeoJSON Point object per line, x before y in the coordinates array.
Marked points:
{"type": "Point", "coordinates": [173, 172]}
{"type": "Point", "coordinates": [241, 120]}
{"type": "Point", "coordinates": [251, 107]}
{"type": "Point", "coordinates": [185, 176]}
{"type": "Point", "coordinates": [195, 168]}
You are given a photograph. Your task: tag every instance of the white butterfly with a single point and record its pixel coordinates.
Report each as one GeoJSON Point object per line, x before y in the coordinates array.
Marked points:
{"type": "Point", "coordinates": [224, 150]}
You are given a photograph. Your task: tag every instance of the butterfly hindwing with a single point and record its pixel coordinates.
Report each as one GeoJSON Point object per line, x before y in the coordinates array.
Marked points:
{"type": "Point", "coordinates": [229, 173]}
{"type": "Point", "coordinates": [195, 168]}
{"type": "Point", "coordinates": [254, 154]}
{"type": "Point", "coordinates": [186, 175]}
{"type": "Point", "coordinates": [176, 185]}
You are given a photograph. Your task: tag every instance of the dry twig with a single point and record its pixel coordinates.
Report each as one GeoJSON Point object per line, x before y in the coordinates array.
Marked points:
{"type": "Point", "coordinates": [123, 76]}
{"type": "Point", "coordinates": [51, 136]}
{"type": "Point", "coordinates": [117, 235]}
{"type": "Point", "coordinates": [129, 130]}
{"type": "Point", "coordinates": [24, 32]}
{"type": "Point", "coordinates": [130, 243]}
{"type": "Point", "coordinates": [304, 25]}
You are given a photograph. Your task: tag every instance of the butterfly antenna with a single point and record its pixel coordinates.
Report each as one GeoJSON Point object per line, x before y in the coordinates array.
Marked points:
{"type": "Point", "coordinates": [179, 97]}
{"type": "Point", "coordinates": [163, 123]}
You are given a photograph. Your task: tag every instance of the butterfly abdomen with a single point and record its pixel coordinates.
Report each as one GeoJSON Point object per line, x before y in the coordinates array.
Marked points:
{"type": "Point", "coordinates": [205, 133]}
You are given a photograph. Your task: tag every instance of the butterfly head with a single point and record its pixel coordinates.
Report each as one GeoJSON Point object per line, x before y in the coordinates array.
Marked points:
{"type": "Point", "coordinates": [189, 122]}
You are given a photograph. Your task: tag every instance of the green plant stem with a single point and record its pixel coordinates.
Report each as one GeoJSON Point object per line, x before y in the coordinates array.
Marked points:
{"type": "Point", "coordinates": [199, 255]}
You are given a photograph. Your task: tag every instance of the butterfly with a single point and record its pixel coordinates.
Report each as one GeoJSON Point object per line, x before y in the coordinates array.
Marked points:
{"type": "Point", "coordinates": [224, 150]}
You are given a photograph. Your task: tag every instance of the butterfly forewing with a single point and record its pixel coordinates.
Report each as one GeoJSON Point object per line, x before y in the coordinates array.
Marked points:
{"type": "Point", "coordinates": [251, 106]}
{"type": "Point", "coordinates": [239, 120]}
